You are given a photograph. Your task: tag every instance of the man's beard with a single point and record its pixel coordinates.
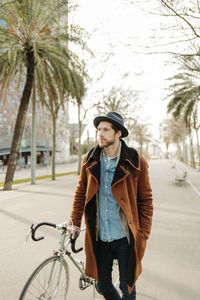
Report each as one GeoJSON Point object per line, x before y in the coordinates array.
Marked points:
{"type": "Point", "coordinates": [107, 144]}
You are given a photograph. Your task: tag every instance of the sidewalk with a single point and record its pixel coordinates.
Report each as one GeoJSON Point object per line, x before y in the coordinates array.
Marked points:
{"type": "Point", "coordinates": [26, 172]}
{"type": "Point", "coordinates": [193, 175]}
{"type": "Point", "coordinates": [170, 265]}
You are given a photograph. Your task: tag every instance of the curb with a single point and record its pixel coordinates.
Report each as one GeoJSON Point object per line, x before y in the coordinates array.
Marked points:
{"type": "Point", "coordinates": [42, 177]}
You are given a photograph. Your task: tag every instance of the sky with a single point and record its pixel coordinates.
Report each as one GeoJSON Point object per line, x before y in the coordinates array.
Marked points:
{"type": "Point", "coordinates": [122, 28]}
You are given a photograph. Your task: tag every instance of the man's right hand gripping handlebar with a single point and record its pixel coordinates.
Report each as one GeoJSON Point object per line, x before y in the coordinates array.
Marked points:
{"type": "Point", "coordinates": [74, 232]}
{"type": "Point", "coordinates": [73, 238]}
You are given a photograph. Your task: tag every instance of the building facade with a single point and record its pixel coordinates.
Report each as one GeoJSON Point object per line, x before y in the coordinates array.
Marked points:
{"type": "Point", "coordinates": [8, 113]}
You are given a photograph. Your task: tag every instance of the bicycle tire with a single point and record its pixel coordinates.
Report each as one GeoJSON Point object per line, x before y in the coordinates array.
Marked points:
{"type": "Point", "coordinates": [41, 286]}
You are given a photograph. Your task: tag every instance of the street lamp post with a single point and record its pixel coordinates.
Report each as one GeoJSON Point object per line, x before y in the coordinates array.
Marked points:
{"type": "Point", "coordinates": [33, 137]}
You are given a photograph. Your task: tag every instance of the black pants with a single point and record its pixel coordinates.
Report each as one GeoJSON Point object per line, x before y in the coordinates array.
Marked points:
{"type": "Point", "coordinates": [107, 252]}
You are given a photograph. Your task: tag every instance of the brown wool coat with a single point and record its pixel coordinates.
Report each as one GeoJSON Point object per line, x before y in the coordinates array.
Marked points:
{"type": "Point", "coordinates": [131, 189]}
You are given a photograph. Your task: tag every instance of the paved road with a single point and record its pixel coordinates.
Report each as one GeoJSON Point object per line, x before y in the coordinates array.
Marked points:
{"type": "Point", "coordinates": [171, 268]}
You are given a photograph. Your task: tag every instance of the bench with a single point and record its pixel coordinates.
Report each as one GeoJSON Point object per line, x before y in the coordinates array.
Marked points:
{"type": "Point", "coordinates": [173, 164]}
{"type": "Point", "coordinates": [181, 176]}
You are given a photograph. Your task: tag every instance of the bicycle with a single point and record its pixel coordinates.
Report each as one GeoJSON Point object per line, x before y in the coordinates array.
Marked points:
{"type": "Point", "coordinates": [50, 280]}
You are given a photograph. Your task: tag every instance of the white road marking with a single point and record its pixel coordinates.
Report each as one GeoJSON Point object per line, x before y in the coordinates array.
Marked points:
{"type": "Point", "coordinates": [194, 188]}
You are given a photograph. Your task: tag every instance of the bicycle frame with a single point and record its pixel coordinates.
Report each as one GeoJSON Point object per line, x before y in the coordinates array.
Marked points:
{"type": "Point", "coordinates": [84, 280]}
{"type": "Point", "coordinates": [79, 264]}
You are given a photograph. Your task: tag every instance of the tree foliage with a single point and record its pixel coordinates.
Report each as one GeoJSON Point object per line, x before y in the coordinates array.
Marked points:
{"type": "Point", "coordinates": [185, 97]}
{"type": "Point", "coordinates": [124, 101]}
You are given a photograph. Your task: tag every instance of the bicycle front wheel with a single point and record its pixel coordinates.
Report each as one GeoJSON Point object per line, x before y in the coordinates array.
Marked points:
{"type": "Point", "coordinates": [49, 281]}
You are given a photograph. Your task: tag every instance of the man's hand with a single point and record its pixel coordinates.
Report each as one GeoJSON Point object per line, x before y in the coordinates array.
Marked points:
{"type": "Point", "coordinates": [71, 229]}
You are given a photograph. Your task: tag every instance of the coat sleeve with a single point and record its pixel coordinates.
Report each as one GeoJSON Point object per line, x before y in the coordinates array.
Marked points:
{"type": "Point", "coordinates": [145, 201]}
{"type": "Point", "coordinates": [79, 197]}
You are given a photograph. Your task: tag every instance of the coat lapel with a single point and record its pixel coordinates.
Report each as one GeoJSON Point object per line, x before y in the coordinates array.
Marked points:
{"type": "Point", "coordinates": [95, 170]}
{"type": "Point", "coordinates": [119, 174]}
{"type": "Point", "coordinates": [93, 162]}
{"type": "Point", "coordinates": [129, 160]}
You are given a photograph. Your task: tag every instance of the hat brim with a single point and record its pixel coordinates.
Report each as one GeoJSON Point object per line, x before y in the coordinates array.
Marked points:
{"type": "Point", "coordinates": [99, 119]}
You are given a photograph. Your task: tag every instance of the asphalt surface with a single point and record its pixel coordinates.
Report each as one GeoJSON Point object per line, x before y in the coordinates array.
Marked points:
{"type": "Point", "coordinates": [171, 266]}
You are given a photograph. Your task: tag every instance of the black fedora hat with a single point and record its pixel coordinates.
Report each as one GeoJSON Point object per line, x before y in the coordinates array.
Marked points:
{"type": "Point", "coordinates": [115, 118]}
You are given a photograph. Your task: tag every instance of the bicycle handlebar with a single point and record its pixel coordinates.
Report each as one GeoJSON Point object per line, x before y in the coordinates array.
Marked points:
{"type": "Point", "coordinates": [72, 238]}
{"type": "Point", "coordinates": [73, 241]}
{"type": "Point", "coordinates": [33, 230]}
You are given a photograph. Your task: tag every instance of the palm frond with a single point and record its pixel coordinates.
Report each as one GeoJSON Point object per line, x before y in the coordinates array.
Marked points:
{"type": "Point", "coordinates": [34, 25]}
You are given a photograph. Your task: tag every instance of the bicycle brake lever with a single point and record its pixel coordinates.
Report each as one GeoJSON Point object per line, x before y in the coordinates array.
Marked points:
{"type": "Point", "coordinates": [73, 241]}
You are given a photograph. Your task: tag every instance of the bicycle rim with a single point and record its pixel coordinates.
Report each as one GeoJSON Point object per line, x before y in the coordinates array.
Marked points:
{"type": "Point", "coordinates": [43, 284]}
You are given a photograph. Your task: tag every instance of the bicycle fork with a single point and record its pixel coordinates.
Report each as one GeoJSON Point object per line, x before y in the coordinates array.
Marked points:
{"type": "Point", "coordinates": [60, 258]}
{"type": "Point", "coordinates": [50, 278]}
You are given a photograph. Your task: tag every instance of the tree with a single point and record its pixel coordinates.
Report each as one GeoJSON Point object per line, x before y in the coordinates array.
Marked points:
{"type": "Point", "coordinates": [124, 101]}
{"type": "Point", "coordinates": [56, 101]}
{"type": "Point", "coordinates": [141, 136]}
{"type": "Point", "coordinates": [174, 132]}
{"type": "Point", "coordinates": [184, 102]}
{"type": "Point", "coordinates": [78, 98]}
{"type": "Point", "coordinates": [176, 29]}
{"type": "Point", "coordinates": [32, 45]}
{"type": "Point", "coordinates": [118, 99]}
{"type": "Point", "coordinates": [196, 126]}
{"type": "Point", "coordinates": [187, 15]}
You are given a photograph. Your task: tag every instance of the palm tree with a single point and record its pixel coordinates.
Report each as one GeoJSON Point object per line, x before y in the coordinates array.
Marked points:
{"type": "Point", "coordinates": [142, 136]}
{"type": "Point", "coordinates": [184, 103]}
{"type": "Point", "coordinates": [196, 126]}
{"type": "Point", "coordinates": [174, 131]}
{"type": "Point", "coordinates": [56, 102]}
{"type": "Point", "coordinates": [32, 45]}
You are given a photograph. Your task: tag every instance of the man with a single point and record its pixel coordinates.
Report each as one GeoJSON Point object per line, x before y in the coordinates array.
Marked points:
{"type": "Point", "coordinates": [115, 196]}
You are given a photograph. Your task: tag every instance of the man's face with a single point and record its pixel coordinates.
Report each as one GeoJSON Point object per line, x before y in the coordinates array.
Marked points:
{"type": "Point", "coordinates": [106, 134]}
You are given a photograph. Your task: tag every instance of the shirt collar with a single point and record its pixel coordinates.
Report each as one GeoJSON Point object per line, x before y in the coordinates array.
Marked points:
{"type": "Point", "coordinates": [118, 153]}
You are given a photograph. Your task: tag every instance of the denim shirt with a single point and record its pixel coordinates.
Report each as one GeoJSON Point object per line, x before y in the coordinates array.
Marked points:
{"type": "Point", "coordinates": [109, 224]}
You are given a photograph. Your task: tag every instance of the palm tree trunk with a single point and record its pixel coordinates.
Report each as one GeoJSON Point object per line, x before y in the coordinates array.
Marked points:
{"type": "Point", "coordinates": [198, 147]}
{"type": "Point", "coordinates": [180, 154]}
{"type": "Point", "coordinates": [20, 123]}
{"type": "Point", "coordinates": [53, 174]}
{"type": "Point", "coordinates": [185, 154]}
{"type": "Point", "coordinates": [141, 147]}
{"type": "Point", "coordinates": [192, 159]}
